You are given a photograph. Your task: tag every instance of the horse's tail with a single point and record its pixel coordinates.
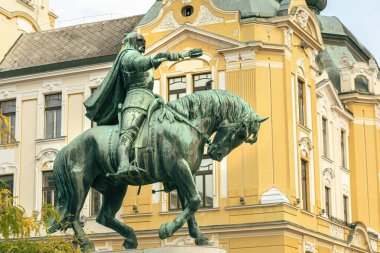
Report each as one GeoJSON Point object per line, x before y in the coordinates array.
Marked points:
{"type": "Point", "coordinates": [65, 193]}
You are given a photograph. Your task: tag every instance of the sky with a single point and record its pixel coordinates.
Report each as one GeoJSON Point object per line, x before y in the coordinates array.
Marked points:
{"type": "Point", "coordinates": [362, 18]}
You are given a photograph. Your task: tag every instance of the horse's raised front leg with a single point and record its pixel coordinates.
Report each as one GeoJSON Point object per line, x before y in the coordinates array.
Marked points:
{"type": "Point", "coordinates": [112, 200]}
{"type": "Point", "coordinates": [185, 183]}
{"type": "Point", "coordinates": [194, 230]}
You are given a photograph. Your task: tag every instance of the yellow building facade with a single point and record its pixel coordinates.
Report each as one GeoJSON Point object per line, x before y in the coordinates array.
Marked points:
{"type": "Point", "coordinates": [310, 183]}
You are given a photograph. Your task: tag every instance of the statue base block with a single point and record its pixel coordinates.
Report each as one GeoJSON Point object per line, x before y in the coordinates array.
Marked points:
{"type": "Point", "coordinates": [174, 249]}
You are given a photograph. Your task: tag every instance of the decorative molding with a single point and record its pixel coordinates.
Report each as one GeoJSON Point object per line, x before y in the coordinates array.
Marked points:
{"type": "Point", "coordinates": [301, 63]}
{"type": "Point", "coordinates": [378, 111]}
{"type": "Point", "coordinates": [168, 23]}
{"type": "Point", "coordinates": [337, 231]}
{"type": "Point", "coordinates": [186, 1]}
{"type": "Point", "coordinates": [328, 176]}
{"type": "Point", "coordinates": [346, 189]}
{"type": "Point", "coordinates": [232, 57]}
{"type": "Point", "coordinates": [288, 37]}
{"type": "Point", "coordinates": [374, 245]}
{"type": "Point", "coordinates": [45, 159]}
{"type": "Point", "coordinates": [273, 196]}
{"type": "Point", "coordinates": [302, 18]}
{"type": "Point", "coordinates": [96, 80]}
{"type": "Point", "coordinates": [309, 247]}
{"type": "Point", "coordinates": [51, 85]}
{"type": "Point", "coordinates": [8, 92]}
{"type": "Point", "coordinates": [305, 146]}
{"type": "Point", "coordinates": [7, 168]}
{"type": "Point", "coordinates": [205, 17]}
{"type": "Point", "coordinates": [247, 55]}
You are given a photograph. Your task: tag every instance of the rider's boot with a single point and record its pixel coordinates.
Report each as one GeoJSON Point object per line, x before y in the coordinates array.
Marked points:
{"type": "Point", "coordinates": [126, 170]}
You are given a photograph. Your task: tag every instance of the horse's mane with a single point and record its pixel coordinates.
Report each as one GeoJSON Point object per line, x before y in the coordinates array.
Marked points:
{"type": "Point", "coordinates": [220, 103]}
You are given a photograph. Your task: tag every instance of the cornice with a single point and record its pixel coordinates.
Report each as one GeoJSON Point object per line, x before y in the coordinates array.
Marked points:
{"type": "Point", "coordinates": [53, 73]}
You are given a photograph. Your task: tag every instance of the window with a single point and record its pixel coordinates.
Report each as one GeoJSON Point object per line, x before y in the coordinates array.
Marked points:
{"type": "Point", "coordinates": [304, 182]}
{"type": "Point", "coordinates": [53, 105]}
{"type": "Point", "coordinates": [324, 137]}
{"type": "Point", "coordinates": [174, 202]}
{"type": "Point", "coordinates": [203, 182]}
{"type": "Point", "coordinates": [8, 180]}
{"type": "Point", "coordinates": [8, 109]}
{"type": "Point", "coordinates": [200, 81]}
{"type": "Point", "coordinates": [187, 11]}
{"type": "Point", "coordinates": [49, 195]}
{"type": "Point", "coordinates": [361, 84]}
{"type": "Point", "coordinates": [301, 102]}
{"type": "Point", "coordinates": [177, 87]}
{"type": "Point", "coordinates": [93, 124]}
{"type": "Point", "coordinates": [342, 148]}
{"type": "Point", "coordinates": [327, 201]}
{"type": "Point", "coordinates": [96, 202]}
{"type": "Point", "coordinates": [345, 208]}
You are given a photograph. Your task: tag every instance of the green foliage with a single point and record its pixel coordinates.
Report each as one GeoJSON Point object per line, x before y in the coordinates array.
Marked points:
{"type": "Point", "coordinates": [16, 228]}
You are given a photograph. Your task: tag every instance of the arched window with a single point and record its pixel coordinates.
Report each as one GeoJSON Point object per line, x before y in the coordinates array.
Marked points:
{"type": "Point", "coordinates": [361, 83]}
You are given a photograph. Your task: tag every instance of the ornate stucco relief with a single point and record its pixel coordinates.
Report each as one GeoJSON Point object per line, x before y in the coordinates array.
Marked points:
{"type": "Point", "coordinates": [205, 17]}
{"type": "Point", "coordinates": [51, 85]}
{"type": "Point", "coordinates": [168, 23]}
{"type": "Point", "coordinates": [337, 231]}
{"type": "Point", "coordinates": [7, 92]}
{"type": "Point", "coordinates": [302, 18]}
{"type": "Point", "coordinates": [288, 37]}
{"type": "Point", "coordinates": [305, 146]}
{"type": "Point", "coordinates": [45, 159]}
{"type": "Point", "coordinates": [309, 247]}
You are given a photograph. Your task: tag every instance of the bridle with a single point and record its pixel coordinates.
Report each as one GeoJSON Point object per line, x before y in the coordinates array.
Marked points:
{"type": "Point", "coordinates": [236, 127]}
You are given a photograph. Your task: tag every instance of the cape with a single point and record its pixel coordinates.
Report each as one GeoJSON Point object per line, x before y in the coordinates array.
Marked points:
{"type": "Point", "coordinates": [102, 105]}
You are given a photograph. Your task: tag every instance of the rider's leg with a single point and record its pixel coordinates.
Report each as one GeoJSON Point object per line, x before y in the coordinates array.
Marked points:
{"type": "Point", "coordinates": [131, 122]}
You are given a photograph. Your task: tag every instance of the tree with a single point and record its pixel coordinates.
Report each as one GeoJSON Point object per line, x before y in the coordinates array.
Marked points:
{"type": "Point", "coordinates": [16, 228]}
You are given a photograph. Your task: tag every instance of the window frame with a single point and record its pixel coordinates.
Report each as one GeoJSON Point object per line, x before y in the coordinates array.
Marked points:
{"type": "Point", "coordinates": [95, 211]}
{"type": "Point", "coordinates": [10, 115]}
{"type": "Point", "coordinates": [343, 161]}
{"type": "Point", "coordinates": [301, 99]}
{"type": "Point", "coordinates": [200, 88]}
{"type": "Point", "coordinates": [48, 189]}
{"type": "Point", "coordinates": [346, 208]}
{"type": "Point", "coordinates": [55, 124]}
{"type": "Point", "coordinates": [328, 201]}
{"type": "Point", "coordinates": [305, 184]}
{"type": "Point", "coordinates": [325, 137]}
{"type": "Point", "coordinates": [176, 92]}
{"type": "Point", "coordinates": [199, 173]}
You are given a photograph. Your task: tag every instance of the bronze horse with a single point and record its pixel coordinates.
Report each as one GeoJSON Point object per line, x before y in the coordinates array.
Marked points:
{"type": "Point", "coordinates": [177, 135]}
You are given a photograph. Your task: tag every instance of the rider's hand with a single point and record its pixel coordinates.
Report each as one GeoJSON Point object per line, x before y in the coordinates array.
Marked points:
{"type": "Point", "coordinates": [175, 56]}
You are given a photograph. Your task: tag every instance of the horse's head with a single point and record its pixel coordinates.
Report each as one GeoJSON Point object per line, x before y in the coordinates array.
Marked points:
{"type": "Point", "coordinates": [231, 135]}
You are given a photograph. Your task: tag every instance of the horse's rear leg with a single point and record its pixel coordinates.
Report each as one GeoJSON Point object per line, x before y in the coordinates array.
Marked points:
{"type": "Point", "coordinates": [194, 230]}
{"type": "Point", "coordinates": [112, 200]}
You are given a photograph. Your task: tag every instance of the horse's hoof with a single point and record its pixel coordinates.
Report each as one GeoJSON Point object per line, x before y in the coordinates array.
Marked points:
{"type": "Point", "coordinates": [130, 244]}
{"type": "Point", "coordinates": [203, 240]}
{"type": "Point", "coordinates": [165, 230]}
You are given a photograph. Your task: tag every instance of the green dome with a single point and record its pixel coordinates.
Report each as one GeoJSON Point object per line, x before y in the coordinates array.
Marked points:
{"type": "Point", "coordinates": [317, 5]}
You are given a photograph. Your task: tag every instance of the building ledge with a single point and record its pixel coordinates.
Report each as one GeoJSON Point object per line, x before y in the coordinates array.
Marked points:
{"type": "Point", "coordinates": [62, 138]}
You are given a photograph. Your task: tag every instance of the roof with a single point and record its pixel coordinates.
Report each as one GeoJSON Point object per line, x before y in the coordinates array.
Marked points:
{"type": "Point", "coordinates": [67, 45]}
{"type": "Point", "coordinates": [247, 8]}
{"type": "Point", "coordinates": [339, 42]}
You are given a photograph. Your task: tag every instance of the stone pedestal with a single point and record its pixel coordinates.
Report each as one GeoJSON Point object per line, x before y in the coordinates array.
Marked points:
{"type": "Point", "coordinates": [174, 249]}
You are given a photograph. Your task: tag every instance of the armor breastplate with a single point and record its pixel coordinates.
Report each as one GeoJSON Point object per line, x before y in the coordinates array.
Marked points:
{"type": "Point", "coordinates": [141, 80]}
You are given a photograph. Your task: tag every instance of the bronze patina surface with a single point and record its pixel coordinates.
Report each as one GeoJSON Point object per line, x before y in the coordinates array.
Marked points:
{"type": "Point", "coordinates": [169, 147]}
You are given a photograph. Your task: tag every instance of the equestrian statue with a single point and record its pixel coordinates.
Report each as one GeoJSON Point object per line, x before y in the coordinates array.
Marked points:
{"type": "Point", "coordinates": [140, 140]}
